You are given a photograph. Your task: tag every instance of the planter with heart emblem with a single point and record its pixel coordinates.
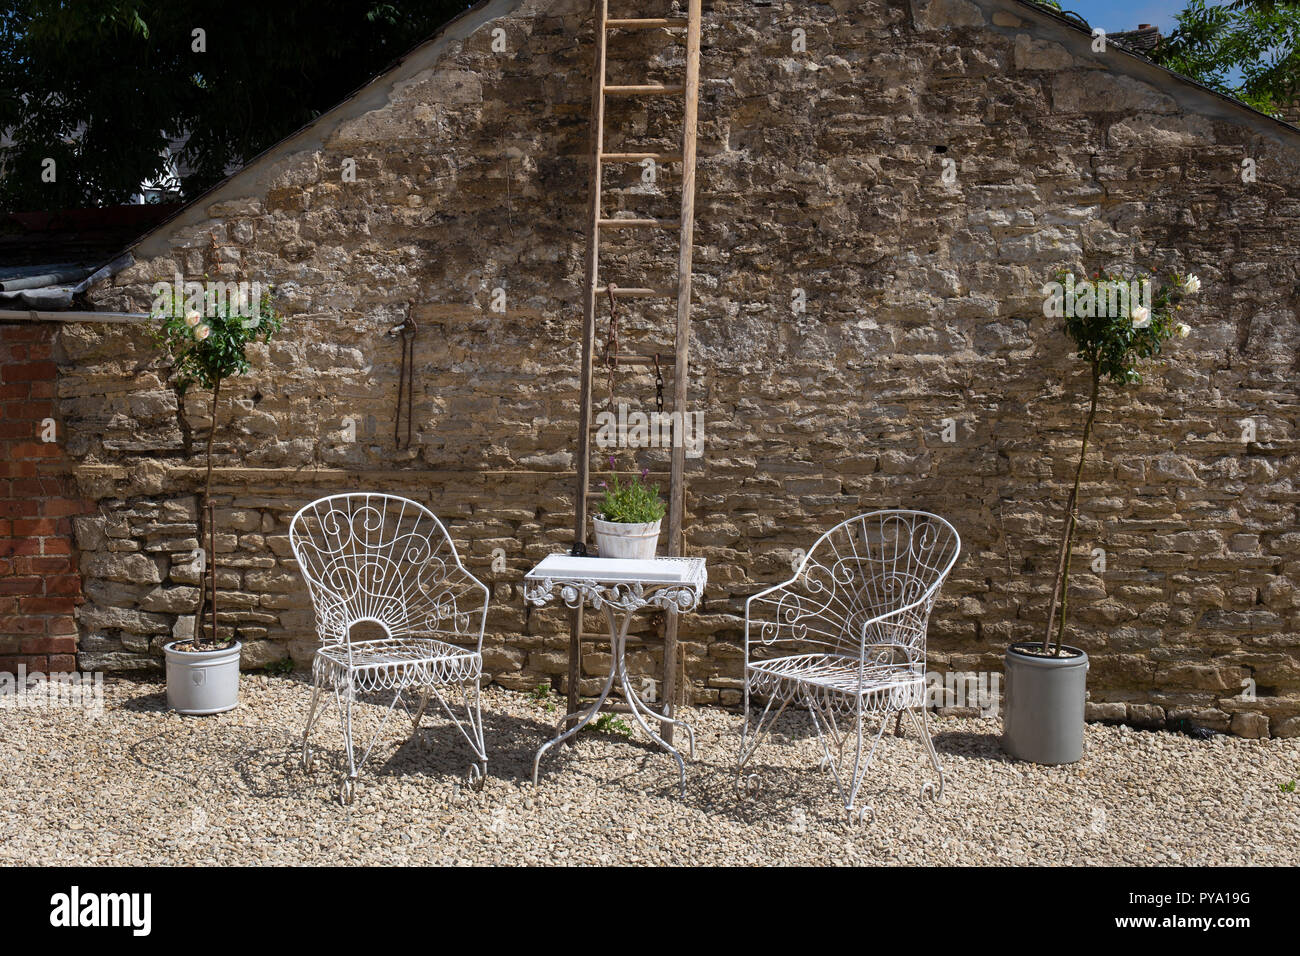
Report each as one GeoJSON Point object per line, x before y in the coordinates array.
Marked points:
{"type": "Point", "coordinates": [202, 682]}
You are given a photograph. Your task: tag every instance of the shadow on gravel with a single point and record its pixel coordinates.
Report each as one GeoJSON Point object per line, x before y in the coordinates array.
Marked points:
{"type": "Point", "coordinates": [965, 744]}
{"type": "Point", "coordinates": [146, 704]}
{"type": "Point", "coordinates": [229, 754]}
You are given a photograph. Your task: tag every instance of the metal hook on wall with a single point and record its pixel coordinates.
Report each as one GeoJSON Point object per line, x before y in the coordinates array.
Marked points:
{"type": "Point", "coordinates": [405, 378]}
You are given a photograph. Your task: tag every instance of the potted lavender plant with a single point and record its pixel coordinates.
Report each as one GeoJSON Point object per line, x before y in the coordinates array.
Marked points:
{"type": "Point", "coordinates": [630, 515]}
{"type": "Point", "coordinates": [1114, 328]}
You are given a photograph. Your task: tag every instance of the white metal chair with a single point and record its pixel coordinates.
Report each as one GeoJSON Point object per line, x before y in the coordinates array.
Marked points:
{"type": "Point", "coordinates": [389, 561]}
{"type": "Point", "coordinates": [845, 637]}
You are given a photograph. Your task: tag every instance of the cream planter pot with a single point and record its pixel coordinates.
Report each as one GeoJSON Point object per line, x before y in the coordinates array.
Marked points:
{"type": "Point", "coordinates": [202, 682]}
{"type": "Point", "coordinates": [615, 539]}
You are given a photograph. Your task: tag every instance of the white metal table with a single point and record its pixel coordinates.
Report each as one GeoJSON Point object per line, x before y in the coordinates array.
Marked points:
{"type": "Point", "coordinates": [620, 587]}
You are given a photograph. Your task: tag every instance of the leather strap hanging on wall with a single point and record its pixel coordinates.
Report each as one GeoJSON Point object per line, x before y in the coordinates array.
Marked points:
{"type": "Point", "coordinates": [405, 380]}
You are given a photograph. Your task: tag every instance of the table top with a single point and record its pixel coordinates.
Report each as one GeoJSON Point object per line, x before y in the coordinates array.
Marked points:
{"type": "Point", "coordinates": [564, 567]}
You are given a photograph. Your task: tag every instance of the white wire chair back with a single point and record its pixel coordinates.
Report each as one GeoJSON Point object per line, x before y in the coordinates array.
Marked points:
{"type": "Point", "coordinates": [864, 590]}
{"type": "Point", "coordinates": [387, 560]}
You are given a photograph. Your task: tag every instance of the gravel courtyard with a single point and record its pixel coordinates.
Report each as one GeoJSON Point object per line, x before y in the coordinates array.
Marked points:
{"type": "Point", "coordinates": [141, 785]}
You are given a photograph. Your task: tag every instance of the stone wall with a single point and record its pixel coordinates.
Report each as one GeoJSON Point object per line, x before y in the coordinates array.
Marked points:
{"type": "Point", "coordinates": [39, 584]}
{"type": "Point", "coordinates": [821, 179]}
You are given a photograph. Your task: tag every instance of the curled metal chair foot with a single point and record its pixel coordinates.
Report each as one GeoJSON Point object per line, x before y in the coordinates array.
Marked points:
{"type": "Point", "coordinates": [348, 791]}
{"type": "Point", "coordinates": [477, 777]}
{"type": "Point", "coordinates": [928, 789]}
{"type": "Point", "coordinates": [748, 786]}
{"type": "Point", "coordinates": [864, 814]}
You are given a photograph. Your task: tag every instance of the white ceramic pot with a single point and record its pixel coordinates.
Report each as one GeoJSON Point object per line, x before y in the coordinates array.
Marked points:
{"type": "Point", "coordinates": [202, 682]}
{"type": "Point", "coordinates": [616, 539]}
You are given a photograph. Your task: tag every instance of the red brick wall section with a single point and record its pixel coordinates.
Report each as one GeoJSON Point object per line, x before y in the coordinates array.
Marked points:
{"type": "Point", "coordinates": [39, 582]}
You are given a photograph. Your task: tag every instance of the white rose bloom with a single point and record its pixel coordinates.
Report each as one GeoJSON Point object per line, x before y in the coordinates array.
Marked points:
{"type": "Point", "coordinates": [1192, 284]}
{"type": "Point", "coordinates": [192, 318]}
{"type": "Point", "coordinates": [202, 332]}
{"type": "Point", "coordinates": [1183, 330]}
{"type": "Point", "coordinates": [1141, 317]}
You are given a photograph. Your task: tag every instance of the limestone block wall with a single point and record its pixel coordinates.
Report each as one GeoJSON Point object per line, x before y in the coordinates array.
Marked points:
{"type": "Point", "coordinates": [912, 178]}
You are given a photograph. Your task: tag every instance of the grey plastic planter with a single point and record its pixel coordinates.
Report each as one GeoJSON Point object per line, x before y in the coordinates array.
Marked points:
{"type": "Point", "coordinates": [202, 682]}
{"type": "Point", "coordinates": [1042, 718]}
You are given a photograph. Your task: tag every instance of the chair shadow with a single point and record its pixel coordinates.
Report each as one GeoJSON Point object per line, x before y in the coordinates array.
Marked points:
{"type": "Point", "coordinates": [265, 760]}
{"type": "Point", "coordinates": [962, 743]}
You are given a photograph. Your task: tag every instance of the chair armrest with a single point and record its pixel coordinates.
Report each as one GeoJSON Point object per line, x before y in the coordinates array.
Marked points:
{"type": "Point", "coordinates": [778, 613]}
{"type": "Point", "coordinates": [457, 605]}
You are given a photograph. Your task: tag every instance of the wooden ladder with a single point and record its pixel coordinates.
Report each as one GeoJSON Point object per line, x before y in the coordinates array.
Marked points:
{"type": "Point", "coordinates": [689, 90]}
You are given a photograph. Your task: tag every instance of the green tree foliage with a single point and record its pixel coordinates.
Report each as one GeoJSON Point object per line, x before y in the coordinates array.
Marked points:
{"type": "Point", "coordinates": [1249, 49]}
{"type": "Point", "coordinates": [102, 87]}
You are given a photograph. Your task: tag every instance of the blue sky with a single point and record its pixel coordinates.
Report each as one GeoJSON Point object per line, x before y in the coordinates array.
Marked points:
{"type": "Point", "coordinates": [1116, 15]}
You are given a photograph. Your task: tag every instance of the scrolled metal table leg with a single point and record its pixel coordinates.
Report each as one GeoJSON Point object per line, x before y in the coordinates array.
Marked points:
{"type": "Point", "coordinates": [634, 704]}
{"type": "Point", "coordinates": [585, 719]}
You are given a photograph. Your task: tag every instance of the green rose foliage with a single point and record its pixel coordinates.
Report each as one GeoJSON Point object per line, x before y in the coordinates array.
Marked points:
{"type": "Point", "coordinates": [1114, 343]}
{"type": "Point", "coordinates": [630, 503]}
{"type": "Point", "coordinates": [209, 347]}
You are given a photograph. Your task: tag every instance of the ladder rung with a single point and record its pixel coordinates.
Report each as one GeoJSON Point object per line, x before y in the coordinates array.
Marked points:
{"type": "Point", "coordinates": [644, 89]}
{"type": "Point", "coordinates": [648, 23]}
{"type": "Point", "coordinates": [632, 641]}
{"type": "Point", "coordinates": [621, 293]}
{"type": "Point", "coordinates": [638, 157]}
{"type": "Point", "coordinates": [639, 223]}
{"type": "Point", "coordinates": [665, 363]}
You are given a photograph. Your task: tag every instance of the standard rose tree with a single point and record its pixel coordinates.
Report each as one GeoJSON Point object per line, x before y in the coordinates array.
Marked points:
{"type": "Point", "coordinates": [1113, 344]}
{"type": "Point", "coordinates": [1116, 323]}
{"type": "Point", "coordinates": [206, 333]}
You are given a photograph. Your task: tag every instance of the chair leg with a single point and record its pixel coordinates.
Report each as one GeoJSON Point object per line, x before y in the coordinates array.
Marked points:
{"type": "Point", "coordinates": [344, 699]}
{"type": "Point", "coordinates": [474, 716]}
{"type": "Point", "coordinates": [849, 793]}
{"type": "Point", "coordinates": [750, 745]}
{"type": "Point", "coordinates": [469, 692]}
{"type": "Point", "coordinates": [311, 719]}
{"type": "Point", "coordinates": [923, 728]}
{"type": "Point", "coordinates": [419, 711]}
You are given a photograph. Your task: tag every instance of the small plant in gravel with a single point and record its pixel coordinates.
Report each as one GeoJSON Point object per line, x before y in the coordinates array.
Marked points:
{"type": "Point", "coordinates": [1288, 787]}
{"type": "Point", "coordinates": [281, 667]}
{"type": "Point", "coordinates": [611, 724]}
{"type": "Point", "coordinates": [1114, 342]}
{"type": "Point", "coordinates": [543, 695]}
